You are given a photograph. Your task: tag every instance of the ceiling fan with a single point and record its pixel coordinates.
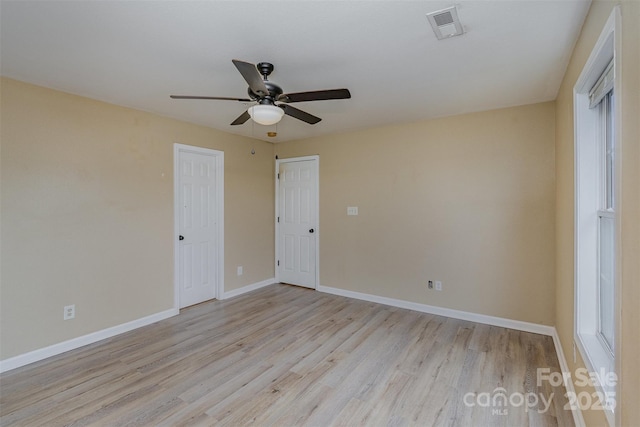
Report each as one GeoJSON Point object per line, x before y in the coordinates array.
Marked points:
{"type": "Point", "coordinates": [272, 102]}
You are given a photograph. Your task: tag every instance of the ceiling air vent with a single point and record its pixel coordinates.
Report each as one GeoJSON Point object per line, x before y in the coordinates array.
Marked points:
{"type": "Point", "coordinates": [445, 23]}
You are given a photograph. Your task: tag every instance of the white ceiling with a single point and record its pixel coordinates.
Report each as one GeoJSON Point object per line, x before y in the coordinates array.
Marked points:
{"type": "Point", "coordinates": [137, 53]}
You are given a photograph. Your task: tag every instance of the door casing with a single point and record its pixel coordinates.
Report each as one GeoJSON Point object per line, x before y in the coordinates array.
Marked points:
{"type": "Point", "coordinates": [219, 158]}
{"type": "Point", "coordinates": [316, 158]}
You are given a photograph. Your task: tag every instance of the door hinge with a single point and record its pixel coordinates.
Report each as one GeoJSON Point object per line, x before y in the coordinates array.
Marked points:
{"type": "Point", "coordinates": [278, 263]}
{"type": "Point", "coordinates": [278, 219]}
{"type": "Point", "coordinates": [278, 175]}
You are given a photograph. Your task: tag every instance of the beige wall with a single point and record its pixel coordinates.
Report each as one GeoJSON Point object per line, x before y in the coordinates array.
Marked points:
{"type": "Point", "coordinates": [483, 202]}
{"type": "Point", "coordinates": [628, 348]}
{"type": "Point", "coordinates": [468, 200]}
{"type": "Point", "coordinates": [87, 213]}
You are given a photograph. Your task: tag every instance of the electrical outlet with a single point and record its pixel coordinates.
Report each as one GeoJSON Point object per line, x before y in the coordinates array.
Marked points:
{"type": "Point", "coordinates": [438, 285]}
{"type": "Point", "coordinates": [430, 284]}
{"type": "Point", "coordinates": [69, 312]}
{"type": "Point", "coordinates": [352, 210]}
{"type": "Point", "coordinates": [240, 271]}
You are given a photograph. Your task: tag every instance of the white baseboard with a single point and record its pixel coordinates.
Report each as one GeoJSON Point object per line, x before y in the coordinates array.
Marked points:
{"type": "Point", "coordinates": [72, 344]}
{"type": "Point", "coordinates": [447, 312]}
{"type": "Point", "coordinates": [243, 290]}
{"type": "Point", "coordinates": [578, 419]}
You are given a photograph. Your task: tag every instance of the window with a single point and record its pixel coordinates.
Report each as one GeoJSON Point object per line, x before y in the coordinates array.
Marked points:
{"type": "Point", "coordinates": [596, 224]}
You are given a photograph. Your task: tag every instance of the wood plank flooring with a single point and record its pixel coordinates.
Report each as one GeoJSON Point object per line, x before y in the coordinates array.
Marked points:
{"type": "Point", "coordinates": [288, 356]}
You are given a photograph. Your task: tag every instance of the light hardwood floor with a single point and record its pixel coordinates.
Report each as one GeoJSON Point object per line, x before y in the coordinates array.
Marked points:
{"type": "Point", "coordinates": [286, 356]}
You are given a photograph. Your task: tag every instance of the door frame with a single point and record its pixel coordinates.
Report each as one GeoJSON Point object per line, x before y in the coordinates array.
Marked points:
{"type": "Point", "coordinates": [316, 158]}
{"type": "Point", "coordinates": [219, 209]}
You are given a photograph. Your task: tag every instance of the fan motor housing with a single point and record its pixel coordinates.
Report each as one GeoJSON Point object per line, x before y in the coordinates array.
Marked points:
{"type": "Point", "coordinates": [274, 91]}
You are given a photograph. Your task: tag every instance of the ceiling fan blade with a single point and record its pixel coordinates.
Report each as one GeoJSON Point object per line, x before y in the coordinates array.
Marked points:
{"type": "Point", "coordinates": [299, 114]}
{"type": "Point", "coordinates": [222, 98]}
{"type": "Point", "coordinates": [318, 95]}
{"type": "Point", "coordinates": [241, 119]}
{"type": "Point", "coordinates": [252, 76]}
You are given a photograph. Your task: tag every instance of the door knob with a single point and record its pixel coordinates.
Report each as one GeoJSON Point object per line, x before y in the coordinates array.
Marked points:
{"type": "Point", "coordinates": [180, 237]}
{"type": "Point", "coordinates": [311, 230]}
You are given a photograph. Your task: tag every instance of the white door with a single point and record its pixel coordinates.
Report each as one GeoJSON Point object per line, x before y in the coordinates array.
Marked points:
{"type": "Point", "coordinates": [297, 222]}
{"type": "Point", "coordinates": [198, 222]}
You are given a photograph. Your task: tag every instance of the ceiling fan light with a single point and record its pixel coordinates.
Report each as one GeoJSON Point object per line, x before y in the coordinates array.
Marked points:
{"type": "Point", "coordinates": [266, 114]}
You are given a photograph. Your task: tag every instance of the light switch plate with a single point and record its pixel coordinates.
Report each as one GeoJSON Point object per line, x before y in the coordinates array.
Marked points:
{"type": "Point", "coordinates": [352, 210]}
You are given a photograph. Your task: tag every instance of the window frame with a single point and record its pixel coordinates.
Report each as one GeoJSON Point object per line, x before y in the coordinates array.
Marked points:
{"type": "Point", "coordinates": [588, 203]}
